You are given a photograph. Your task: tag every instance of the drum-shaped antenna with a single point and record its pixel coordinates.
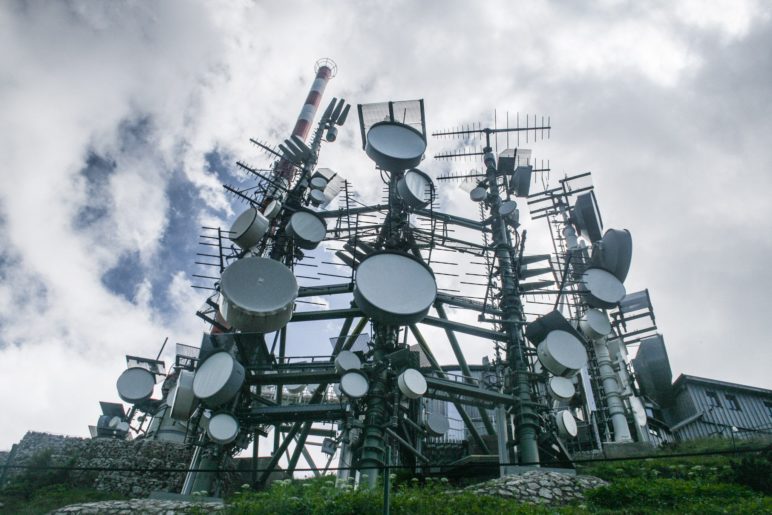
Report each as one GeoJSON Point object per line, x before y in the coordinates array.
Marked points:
{"type": "Point", "coordinates": [258, 294]}
{"type": "Point", "coordinates": [613, 253]}
{"type": "Point", "coordinates": [411, 383]}
{"type": "Point", "coordinates": [307, 229]}
{"type": "Point", "coordinates": [437, 424]}
{"type": "Point", "coordinates": [248, 228]}
{"type": "Point", "coordinates": [272, 209]}
{"type": "Point", "coordinates": [218, 379]}
{"type": "Point", "coordinates": [183, 400]}
{"type": "Point", "coordinates": [566, 424]}
{"type": "Point", "coordinates": [602, 289]}
{"type": "Point", "coordinates": [586, 216]}
{"type": "Point", "coordinates": [318, 183]}
{"type": "Point", "coordinates": [395, 146]}
{"type": "Point", "coordinates": [478, 194]}
{"type": "Point", "coordinates": [135, 385]}
{"type": "Point", "coordinates": [354, 384]}
{"type": "Point", "coordinates": [317, 197]}
{"type": "Point", "coordinates": [394, 288]}
{"type": "Point", "coordinates": [562, 353]}
{"type": "Point", "coordinates": [223, 428]}
{"type": "Point", "coordinates": [561, 388]}
{"type": "Point", "coordinates": [595, 324]}
{"type": "Point", "coordinates": [347, 360]}
{"type": "Point", "coordinates": [415, 188]}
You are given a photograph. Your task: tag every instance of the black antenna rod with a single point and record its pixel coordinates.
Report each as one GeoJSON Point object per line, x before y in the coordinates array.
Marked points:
{"type": "Point", "coordinates": [266, 148]}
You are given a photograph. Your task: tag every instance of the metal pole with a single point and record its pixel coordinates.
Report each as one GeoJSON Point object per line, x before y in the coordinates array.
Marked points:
{"type": "Point", "coordinates": [386, 485]}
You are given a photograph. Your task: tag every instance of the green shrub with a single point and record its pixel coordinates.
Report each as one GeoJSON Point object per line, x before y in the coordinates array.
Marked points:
{"type": "Point", "coordinates": [754, 471]}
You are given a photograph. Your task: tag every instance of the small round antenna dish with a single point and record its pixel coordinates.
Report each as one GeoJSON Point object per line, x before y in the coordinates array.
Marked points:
{"type": "Point", "coordinates": [272, 209]}
{"type": "Point", "coordinates": [183, 400]}
{"type": "Point", "coordinates": [135, 385]}
{"type": "Point", "coordinates": [317, 197]}
{"type": "Point", "coordinates": [395, 146]}
{"type": "Point", "coordinates": [411, 383]}
{"type": "Point", "coordinates": [258, 294]}
{"type": "Point", "coordinates": [223, 428]}
{"type": "Point", "coordinates": [354, 384]}
{"type": "Point", "coordinates": [248, 228]}
{"type": "Point", "coordinates": [478, 194]}
{"type": "Point", "coordinates": [318, 183]}
{"type": "Point", "coordinates": [566, 424]}
{"type": "Point", "coordinates": [562, 353]}
{"type": "Point", "coordinates": [394, 288]}
{"type": "Point", "coordinates": [415, 188]}
{"type": "Point", "coordinates": [602, 289]}
{"type": "Point", "coordinates": [595, 324]}
{"type": "Point", "coordinates": [437, 424]}
{"type": "Point", "coordinates": [346, 361]}
{"type": "Point", "coordinates": [218, 379]}
{"type": "Point", "coordinates": [307, 229]}
{"type": "Point", "coordinates": [561, 388]}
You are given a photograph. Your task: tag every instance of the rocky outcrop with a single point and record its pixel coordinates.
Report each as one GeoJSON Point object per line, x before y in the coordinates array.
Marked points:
{"type": "Point", "coordinates": [542, 487]}
{"type": "Point", "coordinates": [147, 506]}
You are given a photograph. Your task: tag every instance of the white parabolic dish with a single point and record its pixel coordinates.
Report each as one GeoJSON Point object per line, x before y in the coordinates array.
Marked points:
{"type": "Point", "coordinates": [415, 188]}
{"type": "Point", "coordinates": [394, 288]}
{"type": "Point", "coordinates": [604, 290]}
{"type": "Point", "coordinates": [218, 379]}
{"type": "Point", "coordinates": [248, 228]}
{"type": "Point", "coordinates": [347, 360]}
{"type": "Point", "coordinates": [437, 424]}
{"type": "Point", "coordinates": [183, 399]}
{"type": "Point", "coordinates": [562, 353]}
{"type": "Point", "coordinates": [258, 294]}
{"type": "Point", "coordinates": [395, 146]}
{"type": "Point", "coordinates": [307, 229]}
{"type": "Point", "coordinates": [566, 424]}
{"type": "Point", "coordinates": [135, 384]}
{"type": "Point", "coordinates": [223, 428]}
{"type": "Point", "coordinates": [595, 324]}
{"type": "Point", "coordinates": [561, 388]}
{"type": "Point", "coordinates": [354, 384]}
{"type": "Point", "coordinates": [411, 383]}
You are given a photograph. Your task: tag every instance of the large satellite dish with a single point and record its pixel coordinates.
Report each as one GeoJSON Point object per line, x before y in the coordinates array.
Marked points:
{"type": "Point", "coordinates": [183, 400]}
{"type": "Point", "coordinates": [561, 388]}
{"type": "Point", "coordinates": [614, 252]}
{"type": "Point", "coordinates": [258, 294]}
{"type": "Point", "coordinates": [595, 324]}
{"type": "Point", "coordinates": [395, 146]}
{"type": "Point", "coordinates": [249, 228]}
{"type": "Point", "coordinates": [135, 385]}
{"type": "Point", "coordinates": [411, 383]}
{"type": "Point", "coordinates": [415, 188]}
{"type": "Point", "coordinates": [307, 229]}
{"type": "Point", "coordinates": [602, 289]}
{"type": "Point", "coordinates": [562, 353]}
{"type": "Point", "coordinates": [223, 428]}
{"type": "Point", "coordinates": [394, 288]}
{"type": "Point", "coordinates": [218, 379]}
{"type": "Point", "coordinates": [566, 424]}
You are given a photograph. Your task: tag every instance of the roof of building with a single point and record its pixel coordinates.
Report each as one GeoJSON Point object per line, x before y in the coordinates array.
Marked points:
{"type": "Point", "coordinates": [684, 378]}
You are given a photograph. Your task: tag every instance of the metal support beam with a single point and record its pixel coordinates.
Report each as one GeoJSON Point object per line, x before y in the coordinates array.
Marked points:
{"type": "Point", "coordinates": [465, 329]}
{"type": "Point", "coordinates": [330, 314]}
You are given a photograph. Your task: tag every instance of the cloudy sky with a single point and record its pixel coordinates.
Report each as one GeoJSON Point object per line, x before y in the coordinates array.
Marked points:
{"type": "Point", "coordinates": [120, 120]}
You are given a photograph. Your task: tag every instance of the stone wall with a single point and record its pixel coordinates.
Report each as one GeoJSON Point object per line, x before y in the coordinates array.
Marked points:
{"type": "Point", "coordinates": [109, 454]}
{"type": "Point", "coordinates": [539, 487]}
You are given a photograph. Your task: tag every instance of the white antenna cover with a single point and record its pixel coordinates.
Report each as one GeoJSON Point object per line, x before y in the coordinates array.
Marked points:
{"type": "Point", "coordinates": [318, 183]}
{"type": "Point", "coordinates": [347, 360]}
{"type": "Point", "coordinates": [394, 288]}
{"type": "Point", "coordinates": [478, 194]}
{"type": "Point", "coordinates": [223, 428]}
{"type": "Point", "coordinates": [395, 146]}
{"type": "Point", "coordinates": [135, 385]}
{"type": "Point", "coordinates": [437, 424]}
{"type": "Point", "coordinates": [411, 383]}
{"type": "Point", "coordinates": [639, 411]}
{"type": "Point", "coordinates": [218, 379]}
{"type": "Point", "coordinates": [561, 388]}
{"type": "Point", "coordinates": [183, 400]}
{"type": "Point", "coordinates": [566, 424]}
{"type": "Point", "coordinates": [602, 288]}
{"type": "Point", "coordinates": [272, 209]}
{"type": "Point", "coordinates": [415, 188]}
{"type": "Point", "coordinates": [248, 228]}
{"type": "Point", "coordinates": [595, 324]}
{"type": "Point", "coordinates": [307, 229]}
{"type": "Point", "coordinates": [258, 294]}
{"type": "Point", "coordinates": [354, 384]}
{"type": "Point", "coordinates": [562, 353]}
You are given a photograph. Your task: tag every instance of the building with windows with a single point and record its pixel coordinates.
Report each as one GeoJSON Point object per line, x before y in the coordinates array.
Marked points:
{"type": "Point", "coordinates": [703, 408]}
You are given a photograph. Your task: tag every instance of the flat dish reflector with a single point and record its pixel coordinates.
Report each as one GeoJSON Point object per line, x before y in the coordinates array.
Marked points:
{"type": "Point", "coordinates": [272, 209]}
{"type": "Point", "coordinates": [258, 294]}
{"type": "Point", "coordinates": [595, 324]}
{"type": "Point", "coordinates": [395, 146]}
{"type": "Point", "coordinates": [566, 424]}
{"type": "Point", "coordinates": [135, 385]}
{"type": "Point", "coordinates": [183, 400]}
{"type": "Point", "coordinates": [347, 360]}
{"type": "Point", "coordinates": [437, 424]}
{"type": "Point", "coordinates": [561, 388]}
{"type": "Point", "coordinates": [478, 194]}
{"type": "Point", "coordinates": [394, 288]}
{"type": "Point", "coordinates": [602, 288]}
{"type": "Point", "coordinates": [415, 188]}
{"type": "Point", "coordinates": [562, 353]}
{"type": "Point", "coordinates": [411, 383]}
{"type": "Point", "coordinates": [307, 229]}
{"type": "Point", "coordinates": [248, 228]}
{"type": "Point", "coordinates": [223, 428]}
{"type": "Point", "coordinates": [218, 379]}
{"type": "Point", "coordinates": [354, 384]}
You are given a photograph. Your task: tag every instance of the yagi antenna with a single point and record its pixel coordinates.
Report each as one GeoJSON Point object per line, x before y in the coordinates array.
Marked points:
{"type": "Point", "coordinates": [266, 148]}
